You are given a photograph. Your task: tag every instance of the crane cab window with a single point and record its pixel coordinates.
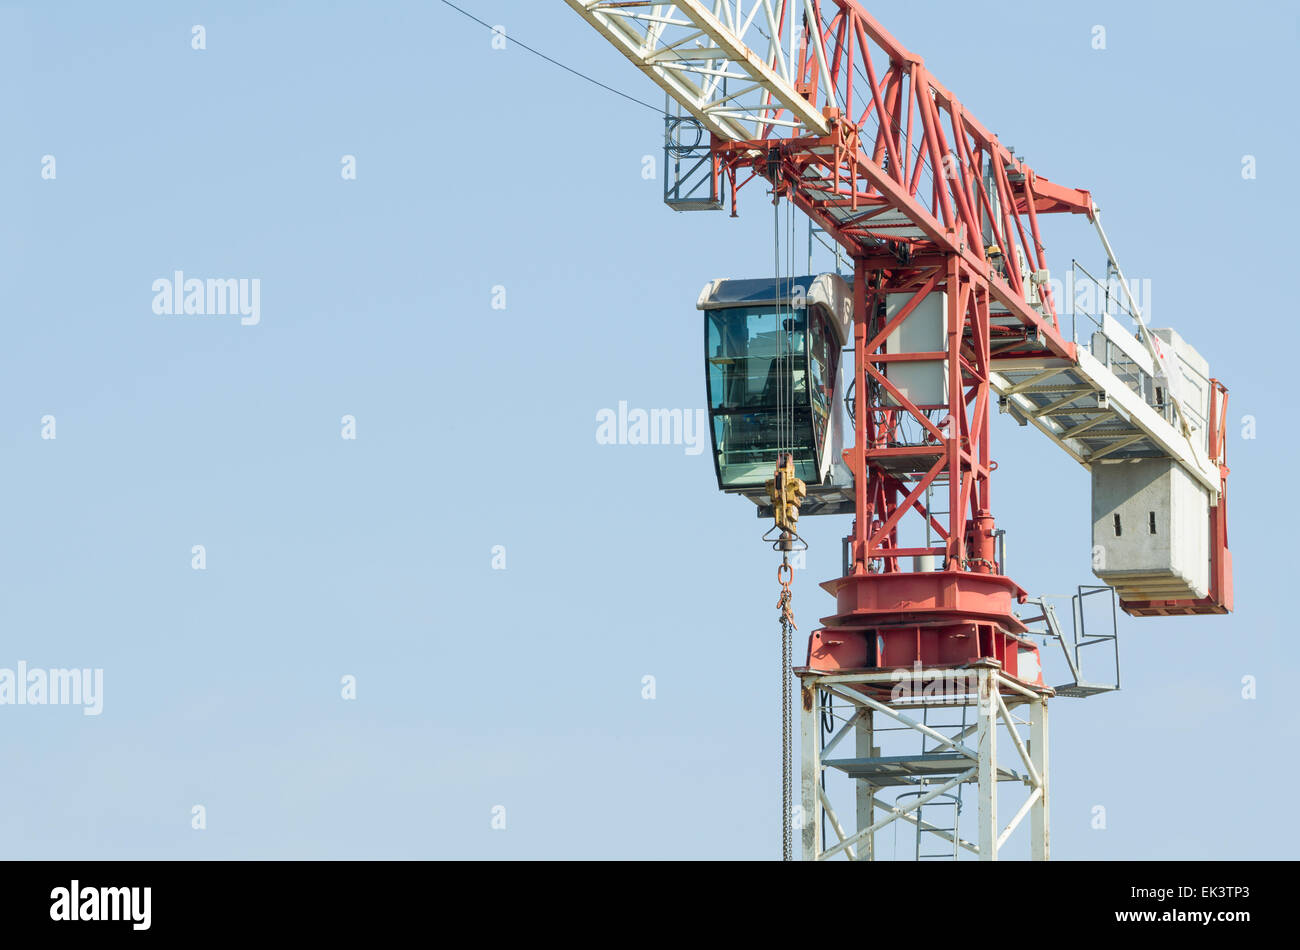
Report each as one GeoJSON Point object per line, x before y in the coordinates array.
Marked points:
{"type": "Point", "coordinates": [771, 384]}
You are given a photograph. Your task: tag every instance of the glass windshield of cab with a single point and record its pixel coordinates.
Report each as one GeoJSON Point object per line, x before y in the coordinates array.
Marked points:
{"type": "Point", "coordinates": [760, 361]}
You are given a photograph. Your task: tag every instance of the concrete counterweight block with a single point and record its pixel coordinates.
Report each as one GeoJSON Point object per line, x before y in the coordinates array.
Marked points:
{"type": "Point", "coordinates": [1150, 530]}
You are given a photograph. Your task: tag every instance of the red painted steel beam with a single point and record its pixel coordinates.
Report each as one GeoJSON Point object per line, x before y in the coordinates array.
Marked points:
{"type": "Point", "coordinates": [919, 192]}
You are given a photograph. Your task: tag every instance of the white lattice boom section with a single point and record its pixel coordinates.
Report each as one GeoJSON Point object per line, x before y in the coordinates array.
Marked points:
{"type": "Point", "coordinates": [706, 57]}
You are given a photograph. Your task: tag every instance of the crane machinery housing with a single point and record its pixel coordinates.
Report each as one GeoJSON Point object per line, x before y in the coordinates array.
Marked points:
{"type": "Point", "coordinates": [948, 312]}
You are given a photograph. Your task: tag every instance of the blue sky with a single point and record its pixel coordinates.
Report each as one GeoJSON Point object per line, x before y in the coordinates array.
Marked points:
{"type": "Point", "coordinates": [481, 168]}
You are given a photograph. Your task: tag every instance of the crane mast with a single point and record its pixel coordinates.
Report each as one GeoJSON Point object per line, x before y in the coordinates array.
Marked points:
{"type": "Point", "coordinates": [952, 314]}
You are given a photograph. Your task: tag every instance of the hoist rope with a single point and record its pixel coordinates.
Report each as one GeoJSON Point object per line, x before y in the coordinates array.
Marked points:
{"type": "Point", "coordinates": [776, 309]}
{"type": "Point", "coordinates": [792, 317]}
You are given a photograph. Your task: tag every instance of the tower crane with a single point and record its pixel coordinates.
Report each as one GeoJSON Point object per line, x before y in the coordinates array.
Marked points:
{"type": "Point", "coordinates": [949, 312]}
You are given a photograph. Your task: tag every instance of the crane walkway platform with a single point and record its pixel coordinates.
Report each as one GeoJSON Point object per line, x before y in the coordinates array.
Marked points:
{"type": "Point", "coordinates": [1096, 411]}
{"type": "Point", "coordinates": [892, 770]}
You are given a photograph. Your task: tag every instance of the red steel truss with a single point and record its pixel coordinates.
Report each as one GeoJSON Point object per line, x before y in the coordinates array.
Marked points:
{"type": "Point", "coordinates": [923, 198]}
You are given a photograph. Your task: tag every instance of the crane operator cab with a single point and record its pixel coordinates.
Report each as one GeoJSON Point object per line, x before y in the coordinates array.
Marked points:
{"type": "Point", "coordinates": [772, 363]}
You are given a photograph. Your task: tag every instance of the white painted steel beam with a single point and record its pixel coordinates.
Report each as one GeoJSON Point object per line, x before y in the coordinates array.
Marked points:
{"type": "Point", "coordinates": [1089, 372]}
{"type": "Point", "coordinates": [810, 774]}
{"type": "Point", "coordinates": [864, 748]}
{"type": "Point", "coordinates": [708, 60]}
{"type": "Point", "coordinates": [987, 743]}
{"type": "Point", "coordinates": [993, 711]}
{"type": "Point", "coordinates": [1038, 750]}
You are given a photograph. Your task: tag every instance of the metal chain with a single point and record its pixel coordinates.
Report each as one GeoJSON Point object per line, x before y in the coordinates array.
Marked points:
{"type": "Point", "coordinates": [784, 575]}
{"type": "Point", "coordinates": [785, 432]}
